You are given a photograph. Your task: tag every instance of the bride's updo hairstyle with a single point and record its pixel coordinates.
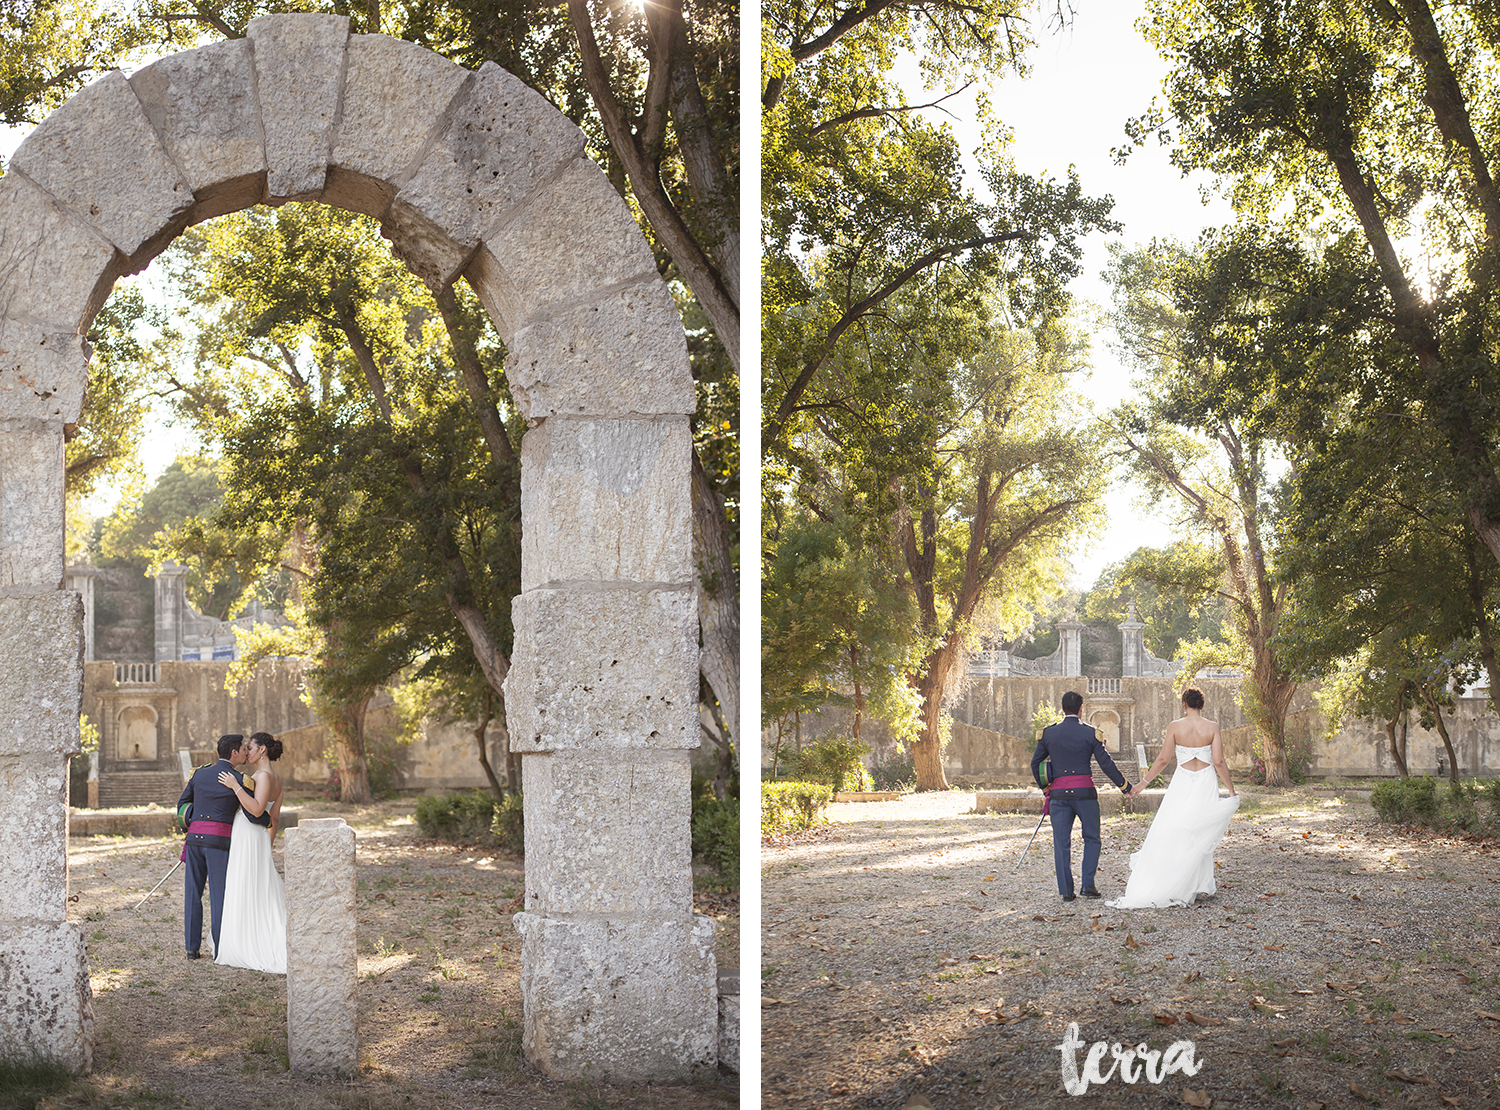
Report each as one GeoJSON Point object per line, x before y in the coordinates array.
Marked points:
{"type": "Point", "coordinates": [1192, 697]}
{"type": "Point", "coordinates": [273, 746]}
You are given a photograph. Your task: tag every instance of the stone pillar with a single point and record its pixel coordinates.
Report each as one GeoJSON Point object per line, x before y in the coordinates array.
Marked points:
{"type": "Point", "coordinates": [617, 972]}
{"type": "Point", "coordinates": [1071, 634]}
{"type": "Point", "coordinates": [1132, 644]}
{"type": "Point", "coordinates": [171, 609]}
{"type": "Point", "coordinates": [81, 580]}
{"type": "Point", "coordinates": [321, 966]}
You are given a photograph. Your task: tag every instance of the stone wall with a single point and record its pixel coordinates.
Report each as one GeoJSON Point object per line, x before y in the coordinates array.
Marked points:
{"type": "Point", "coordinates": [990, 742]}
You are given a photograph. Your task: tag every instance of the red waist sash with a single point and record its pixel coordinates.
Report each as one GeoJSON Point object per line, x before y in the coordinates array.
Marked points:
{"type": "Point", "coordinates": [1065, 782]}
{"type": "Point", "coordinates": [1071, 782]}
{"type": "Point", "coordinates": [205, 828]}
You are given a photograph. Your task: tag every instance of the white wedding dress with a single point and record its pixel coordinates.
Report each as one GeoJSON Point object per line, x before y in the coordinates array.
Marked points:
{"type": "Point", "coordinates": [253, 931]}
{"type": "Point", "coordinates": [1176, 863]}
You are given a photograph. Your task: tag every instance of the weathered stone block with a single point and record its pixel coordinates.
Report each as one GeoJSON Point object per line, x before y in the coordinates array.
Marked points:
{"type": "Point", "coordinates": [609, 667]}
{"type": "Point", "coordinates": [608, 500]}
{"type": "Point", "coordinates": [627, 999]}
{"type": "Point", "coordinates": [607, 833]}
{"type": "Point", "coordinates": [34, 822]}
{"type": "Point", "coordinates": [620, 355]}
{"type": "Point", "coordinates": [321, 963]}
{"type": "Point", "coordinates": [42, 373]}
{"type": "Point", "coordinates": [46, 1006]}
{"type": "Point", "coordinates": [398, 97]}
{"type": "Point", "coordinates": [299, 69]}
{"type": "Point", "coordinates": [505, 144]}
{"type": "Point", "coordinates": [729, 1019]}
{"type": "Point", "coordinates": [53, 267]}
{"type": "Point", "coordinates": [99, 155]}
{"type": "Point", "coordinates": [203, 105]}
{"type": "Point", "coordinates": [31, 503]}
{"type": "Point", "coordinates": [41, 673]}
{"type": "Point", "coordinates": [569, 243]}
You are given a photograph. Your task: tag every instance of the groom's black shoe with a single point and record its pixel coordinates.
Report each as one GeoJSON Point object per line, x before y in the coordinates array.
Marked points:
{"type": "Point", "coordinates": [1089, 892]}
{"type": "Point", "coordinates": [193, 955]}
{"type": "Point", "coordinates": [1069, 897]}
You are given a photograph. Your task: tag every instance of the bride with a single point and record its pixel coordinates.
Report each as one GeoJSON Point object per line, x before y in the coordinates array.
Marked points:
{"type": "Point", "coordinates": [253, 933]}
{"type": "Point", "coordinates": [1176, 863]}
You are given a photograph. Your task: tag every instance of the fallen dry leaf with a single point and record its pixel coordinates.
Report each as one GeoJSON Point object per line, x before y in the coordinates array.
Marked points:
{"type": "Point", "coordinates": [1130, 941]}
{"type": "Point", "coordinates": [1449, 1101]}
{"type": "Point", "coordinates": [1098, 926]}
{"type": "Point", "coordinates": [1359, 1092]}
{"type": "Point", "coordinates": [1401, 1075]}
{"type": "Point", "coordinates": [1196, 1020]}
{"type": "Point", "coordinates": [1191, 976]}
{"type": "Point", "coordinates": [1288, 1043]}
{"type": "Point", "coordinates": [1199, 1099]}
{"type": "Point", "coordinates": [1165, 1019]}
{"type": "Point", "coordinates": [1487, 1014]}
{"type": "Point", "coordinates": [918, 1102]}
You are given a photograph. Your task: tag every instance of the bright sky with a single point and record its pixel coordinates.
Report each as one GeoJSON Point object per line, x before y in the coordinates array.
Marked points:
{"type": "Point", "coordinates": [1086, 81]}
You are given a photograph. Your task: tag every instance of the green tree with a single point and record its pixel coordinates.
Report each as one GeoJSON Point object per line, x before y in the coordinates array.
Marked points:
{"type": "Point", "coordinates": [1166, 586]}
{"type": "Point", "coordinates": [1194, 444]}
{"type": "Point", "coordinates": [1371, 123]}
{"type": "Point", "coordinates": [835, 631]}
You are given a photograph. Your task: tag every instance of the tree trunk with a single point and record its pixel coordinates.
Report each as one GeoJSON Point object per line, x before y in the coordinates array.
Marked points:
{"type": "Point", "coordinates": [512, 767]}
{"type": "Point", "coordinates": [1398, 750]}
{"type": "Point", "coordinates": [1437, 712]}
{"type": "Point", "coordinates": [481, 727]}
{"type": "Point", "coordinates": [347, 721]}
{"type": "Point", "coordinates": [718, 598]}
{"type": "Point", "coordinates": [859, 694]}
{"type": "Point", "coordinates": [927, 752]}
{"type": "Point", "coordinates": [1273, 694]}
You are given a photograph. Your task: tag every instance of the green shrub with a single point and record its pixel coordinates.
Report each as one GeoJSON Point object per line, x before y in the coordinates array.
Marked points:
{"type": "Point", "coordinates": [899, 772]}
{"type": "Point", "coordinates": [835, 760]}
{"type": "Point", "coordinates": [465, 817]}
{"type": "Point", "coordinates": [1406, 801]}
{"type": "Point", "coordinates": [789, 806]}
{"type": "Point", "coordinates": [509, 824]}
{"type": "Point", "coordinates": [716, 835]}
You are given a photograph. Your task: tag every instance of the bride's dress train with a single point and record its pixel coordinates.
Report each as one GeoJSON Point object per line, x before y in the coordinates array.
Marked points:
{"type": "Point", "coordinates": [253, 932]}
{"type": "Point", "coordinates": [1176, 863]}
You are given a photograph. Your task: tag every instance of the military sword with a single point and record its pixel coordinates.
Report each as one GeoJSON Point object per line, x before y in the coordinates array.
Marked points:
{"type": "Point", "coordinates": [1024, 850]}
{"type": "Point", "coordinates": [158, 886]}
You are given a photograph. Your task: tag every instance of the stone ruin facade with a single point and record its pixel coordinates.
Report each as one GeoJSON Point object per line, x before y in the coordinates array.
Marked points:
{"type": "Point", "coordinates": [472, 175]}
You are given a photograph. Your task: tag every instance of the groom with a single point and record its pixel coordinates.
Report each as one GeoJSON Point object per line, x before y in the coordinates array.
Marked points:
{"type": "Point", "coordinates": [1067, 748]}
{"type": "Point", "coordinates": [212, 806]}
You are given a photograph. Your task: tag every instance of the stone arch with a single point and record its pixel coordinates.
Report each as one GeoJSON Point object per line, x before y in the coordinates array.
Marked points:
{"type": "Point", "coordinates": [472, 175]}
{"type": "Point", "coordinates": [136, 729]}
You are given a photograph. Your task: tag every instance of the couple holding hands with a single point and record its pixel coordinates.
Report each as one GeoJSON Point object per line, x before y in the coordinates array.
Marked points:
{"type": "Point", "coordinates": [231, 811]}
{"type": "Point", "coordinates": [1176, 862]}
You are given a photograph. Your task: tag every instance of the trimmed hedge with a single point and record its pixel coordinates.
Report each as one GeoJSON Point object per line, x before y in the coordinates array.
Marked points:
{"type": "Point", "coordinates": [466, 818]}
{"type": "Point", "coordinates": [790, 806]}
{"type": "Point", "coordinates": [716, 835]}
{"type": "Point", "coordinates": [1472, 807]}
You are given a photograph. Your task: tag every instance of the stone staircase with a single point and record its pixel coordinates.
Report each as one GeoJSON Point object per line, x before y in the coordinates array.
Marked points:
{"type": "Point", "coordinates": [119, 789]}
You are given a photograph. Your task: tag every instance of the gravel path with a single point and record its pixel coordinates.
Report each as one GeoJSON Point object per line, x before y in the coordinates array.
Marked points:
{"type": "Point", "coordinates": [1342, 962]}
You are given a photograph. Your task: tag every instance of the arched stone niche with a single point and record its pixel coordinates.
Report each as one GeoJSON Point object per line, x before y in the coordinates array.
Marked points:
{"type": "Point", "coordinates": [1107, 721]}
{"type": "Point", "coordinates": [472, 175]}
{"type": "Point", "coordinates": [136, 730]}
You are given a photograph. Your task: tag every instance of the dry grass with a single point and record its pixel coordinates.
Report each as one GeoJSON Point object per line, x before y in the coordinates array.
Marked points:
{"type": "Point", "coordinates": [439, 999]}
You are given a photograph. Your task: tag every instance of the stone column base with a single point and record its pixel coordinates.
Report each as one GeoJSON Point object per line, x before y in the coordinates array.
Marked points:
{"type": "Point", "coordinates": [46, 1005]}
{"type": "Point", "coordinates": [623, 999]}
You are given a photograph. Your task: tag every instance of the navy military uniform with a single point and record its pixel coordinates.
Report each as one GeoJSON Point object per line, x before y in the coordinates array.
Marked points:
{"type": "Point", "coordinates": [207, 854]}
{"type": "Point", "coordinates": [1071, 745]}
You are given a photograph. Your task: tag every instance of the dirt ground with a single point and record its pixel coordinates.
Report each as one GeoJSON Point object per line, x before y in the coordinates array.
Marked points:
{"type": "Point", "coordinates": [439, 997]}
{"type": "Point", "coordinates": [1341, 963]}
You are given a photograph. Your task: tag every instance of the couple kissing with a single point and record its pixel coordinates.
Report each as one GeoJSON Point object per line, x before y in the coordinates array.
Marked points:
{"type": "Point", "coordinates": [231, 811]}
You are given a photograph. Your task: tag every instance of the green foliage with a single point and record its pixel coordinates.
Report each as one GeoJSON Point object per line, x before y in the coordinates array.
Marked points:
{"type": "Point", "coordinates": [509, 823]}
{"type": "Point", "coordinates": [835, 760]}
{"type": "Point", "coordinates": [464, 817]}
{"type": "Point", "coordinates": [792, 806]}
{"type": "Point", "coordinates": [897, 771]}
{"type": "Point", "coordinates": [1299, 757]}
{"type": "Point", "coordinates": [1175, 593]}
{"type": "Point", "coordinates": [1043, 716]}
{"type": "Point", "coordinates": [835, 629]}
{"type": "Point", "coordinates": [1471, 807]}
{"type": "Point", "coordinates": [88, 733]}
{"type": "Point", "coordinates": [28, 1084]}
{"type": "Point", "coordinates": [716, 833]}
